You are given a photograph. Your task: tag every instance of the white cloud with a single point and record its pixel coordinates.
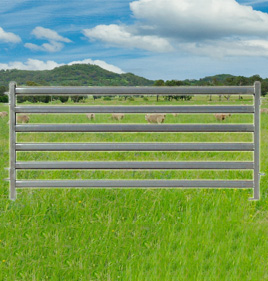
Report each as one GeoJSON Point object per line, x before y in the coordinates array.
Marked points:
{"type": "Point", "coordinates": [195, 19]}
{"type": "Point", "coordinates": [30, 64]}
{"type": "Point", "coordinates": [209, 27]}
{"type": "Point", "coordinates": [52, 36]}
{"type": "Point", "coordinates": [222, 48]}
{"type": "Point", "coordinates": [49, 34]}
{"type": "Point", "coordinates": [49, 47]}
{"type": "Point", "coordinates": [8, 37]}
{"type": "Point", "coordinates": [100, 63]}
{"type": "Point", "coordinates": [254, 2]}
{"type": "Point", "coordinates": [116, 35]}
{"type": "Point", "coordinates": [33, 64]}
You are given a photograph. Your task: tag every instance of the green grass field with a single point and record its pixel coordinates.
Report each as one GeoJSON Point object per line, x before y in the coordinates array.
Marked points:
{"type": "Point", "coordinates": [113, 234]}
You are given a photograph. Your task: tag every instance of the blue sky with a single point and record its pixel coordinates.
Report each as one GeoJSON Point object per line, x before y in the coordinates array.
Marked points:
{"type": "Point", "coordinates": [157, 39]}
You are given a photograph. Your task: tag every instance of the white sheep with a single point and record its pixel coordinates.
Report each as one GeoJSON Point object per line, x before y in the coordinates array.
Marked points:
{"type": "Point", "coordinates": [155, 118]}
{"type": "Point", "coordinates": [118, 116]}
{"type": "Point", "coordinates": [91, 116]}
{"type": "Point", "coordinates": [23, 118]}
{"type": "Point", "coordinates": [221, 116]}
{"type": "Point", "coordinates": [3, 114]}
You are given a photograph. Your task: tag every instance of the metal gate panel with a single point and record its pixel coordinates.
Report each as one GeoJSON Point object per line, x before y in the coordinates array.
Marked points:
{"type": "Point", "coordinates": [254, 128]}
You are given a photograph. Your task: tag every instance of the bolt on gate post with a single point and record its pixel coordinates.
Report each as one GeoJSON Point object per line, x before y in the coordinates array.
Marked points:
{"type": "Point", "coordinates": [257, 97]}
{"type": "Point", "coordinates": [12, 142]}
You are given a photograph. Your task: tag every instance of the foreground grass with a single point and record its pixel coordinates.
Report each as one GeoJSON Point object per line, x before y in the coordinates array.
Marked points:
{"type": "Point", "coordinates": [134, 234]}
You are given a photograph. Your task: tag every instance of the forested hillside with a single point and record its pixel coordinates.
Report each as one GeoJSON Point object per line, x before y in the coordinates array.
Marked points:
{"type": "Point", "coordinates": [92, 75]}
{"type": "Point", "coordinates": [218, 80]}
{"type": "Point", "coordinates": [72, 75]}
{"type": "Point", "coordinates": [69, 75]}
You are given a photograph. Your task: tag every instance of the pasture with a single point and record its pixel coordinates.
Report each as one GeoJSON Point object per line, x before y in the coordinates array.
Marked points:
{"type": "Point", "coordinates": [143, 234]}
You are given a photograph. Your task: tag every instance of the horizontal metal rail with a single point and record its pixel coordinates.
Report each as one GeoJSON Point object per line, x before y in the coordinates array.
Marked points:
{"type": "Point", "coordinates": [134, 128]}
{"type": "Point", "coordinates": [238, 90]}
{"type": "Point", "coordinates": [134, 147]}
{"type": "Point", "coordinates": [114, 165]}
{"type": "Point", "coordinates": [133, 183]}
{"type": "Point", "coordinates": [134, 109]}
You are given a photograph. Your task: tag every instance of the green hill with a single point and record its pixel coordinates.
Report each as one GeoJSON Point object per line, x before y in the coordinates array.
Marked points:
{"type": "Point", "coordinates": [73, 75]}
{"type": "Point", "coordinates": [218, 77]}
{"type": "Point", "coordinates": [93, 75]}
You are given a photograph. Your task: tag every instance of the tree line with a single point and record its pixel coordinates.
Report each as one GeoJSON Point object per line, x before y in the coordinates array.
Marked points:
{"type": "Point", "coordinates": [218, 80]}
{"type": "Point", "coordinates": [66, 75]}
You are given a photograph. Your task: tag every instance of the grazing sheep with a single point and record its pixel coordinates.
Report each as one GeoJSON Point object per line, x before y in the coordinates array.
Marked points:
{"type": "Point", "coordinates": [117, 116]}
{"type": "Point", "coordinates": [3, 114]}
{"type": "Point", "coordinates": [91, 116]}
{"type": "Point", "coordinates": [264, 110]}
{"type": "Point", "coordinates": [23, 118]}
{"type": "Point", "coordinates": [175, 114]}
{"type": "Point", "coordinates": [221, 116]}
{"type": "Point", "coordinates": [155, 118]}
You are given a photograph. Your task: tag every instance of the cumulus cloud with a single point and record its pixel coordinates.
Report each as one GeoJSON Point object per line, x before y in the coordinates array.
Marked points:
{"type": "Point", "coordinates": [254, 2]}
{"type": "Point", "coordinates": [49, 47]}
{"type": "Point", "coordinates": [55, 40]}
{"type": "Point", "coordinates": [121, 36]}
{"type": "Point", "coordinates": [8, 37]}
{"type": "Point", "coordinates": [49, 34]}
{"type": "Point", "coordinates": [33, 64]}
{"type": "Point", "coordinates": [221, 48]}
{"type": "Point", "coordinates": [195, 19]}
{"type": "Point", "coordinates": [208, 27]}
{"type": "Point", "coordinates": [100, 63]}
{"type": "Point", "coordinates": [30, 64]}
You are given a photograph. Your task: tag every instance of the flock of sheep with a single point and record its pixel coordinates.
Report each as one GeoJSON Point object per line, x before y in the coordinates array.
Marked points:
{"type": "Point", "coordinates": [150, 118]}
{"type": "Point", "coordinates": [20, 118]}
{"type": "Point", "coordinates": [155, 118]}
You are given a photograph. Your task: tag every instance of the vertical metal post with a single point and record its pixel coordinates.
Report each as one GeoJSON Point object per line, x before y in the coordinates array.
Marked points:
{"type": "Point", "coordinates": [12, 140]}
{"type": "Point", "coordinates": [257, 96]}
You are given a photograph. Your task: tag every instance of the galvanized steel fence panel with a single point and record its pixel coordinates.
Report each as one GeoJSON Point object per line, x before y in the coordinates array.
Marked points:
{"type": "Point", "coordinates": [254, 128]}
